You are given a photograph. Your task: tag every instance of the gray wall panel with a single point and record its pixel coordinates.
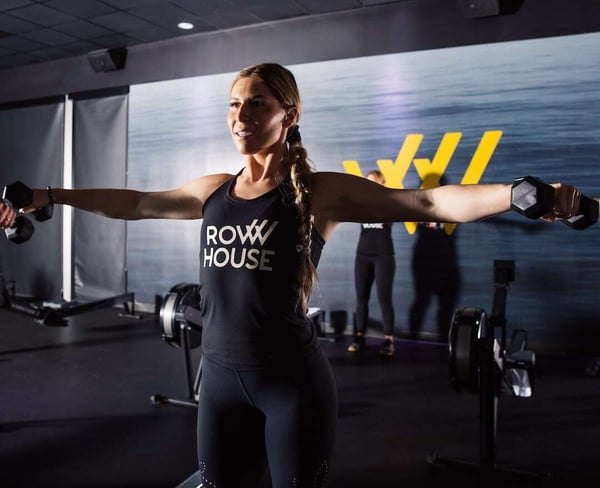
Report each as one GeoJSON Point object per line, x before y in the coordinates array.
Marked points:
{"type": "Point", "coordinates": [31, 150]}
{"type": "Point", "coordinates": [99, 160]}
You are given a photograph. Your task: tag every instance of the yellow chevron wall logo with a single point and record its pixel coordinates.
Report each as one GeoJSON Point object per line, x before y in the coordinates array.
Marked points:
{"type": "Point", "coordinates": [431, 171]}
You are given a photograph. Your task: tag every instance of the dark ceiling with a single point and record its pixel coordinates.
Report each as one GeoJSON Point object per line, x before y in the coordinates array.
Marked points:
{"type": "Point", "coordinates": [35, 31]}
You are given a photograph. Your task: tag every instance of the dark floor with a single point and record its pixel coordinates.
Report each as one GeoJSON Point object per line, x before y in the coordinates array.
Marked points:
{"type": "Point", "coordinates": [75, 412]}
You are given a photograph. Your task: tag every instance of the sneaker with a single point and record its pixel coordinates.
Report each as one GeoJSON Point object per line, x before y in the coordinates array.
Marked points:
{"type": "Point", "coordinates": [358, 344]}
{"type": "Point", "coordinates": [387, 348]}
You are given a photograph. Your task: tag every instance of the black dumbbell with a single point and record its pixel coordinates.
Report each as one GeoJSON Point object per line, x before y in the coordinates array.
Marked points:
{"type": "Point", "coordinates": [21, 231]}
{"type": "Point", "coordinates": [533, 198]}
{"type": "Point", "coordinates": [19, 195]}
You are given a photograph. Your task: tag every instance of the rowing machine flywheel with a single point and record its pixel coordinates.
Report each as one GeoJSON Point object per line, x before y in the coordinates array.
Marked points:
{"type": "Point", "coordinates": [468, 325]}
{"type": "Point", "coordinates": [172, 315]}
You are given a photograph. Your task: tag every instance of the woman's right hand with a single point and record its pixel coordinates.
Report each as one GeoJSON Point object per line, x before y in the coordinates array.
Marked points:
{"type": "Point", "coordinates": [39, 199]}
{"type": "Point", "coordinates": [7, 216]}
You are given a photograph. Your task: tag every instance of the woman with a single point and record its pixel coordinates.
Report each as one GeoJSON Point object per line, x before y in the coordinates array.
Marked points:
{"type": "Point", "coordinates": [375, 261]}
{"type": "Point", "coordinates": [268, 394]}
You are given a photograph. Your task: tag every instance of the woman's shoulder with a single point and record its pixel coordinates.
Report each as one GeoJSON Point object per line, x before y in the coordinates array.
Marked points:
{"type": "Point", "coordinates": [204, 186]}
{"type": "Point", "coordinates": [328, 177]}
{"type": "Point", "coordinates": [212, 181]}
{"type": "Point", "coordinates": [219, 178]}
{"type": "Point", "coordinates": [335, 184]}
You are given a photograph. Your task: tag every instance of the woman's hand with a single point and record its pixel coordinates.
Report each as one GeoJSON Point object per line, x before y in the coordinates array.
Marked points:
{"type": "Point", "coordinates": [7, 216]}
{"type": "Point", "coordinates": [567, 200]}
{"type": "Point", "coordinates": [40, 198]}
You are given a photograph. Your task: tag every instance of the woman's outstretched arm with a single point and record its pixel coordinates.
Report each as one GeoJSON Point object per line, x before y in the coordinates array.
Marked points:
{"type": "Point", "coordinates": [185, 202]}
{"type": "Point", "coordinates": [339, 197]}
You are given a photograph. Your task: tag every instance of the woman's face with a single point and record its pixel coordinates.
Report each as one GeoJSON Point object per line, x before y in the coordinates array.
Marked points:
{"type": "Point", "coordinates": [256, 119]}
{"type": "Point", "coordinates": [376, 178]}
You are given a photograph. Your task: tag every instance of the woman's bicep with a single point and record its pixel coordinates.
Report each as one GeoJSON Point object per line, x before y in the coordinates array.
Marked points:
{"type": "Point", "coordinates": [346, 198]}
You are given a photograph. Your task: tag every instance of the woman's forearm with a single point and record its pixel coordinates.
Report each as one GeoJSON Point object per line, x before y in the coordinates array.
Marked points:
{"type": "Point", "coordinates": [468, 203]}
{"type": "Point", "coordinates": [346, 198]}
{"type": "Point", "coordinates": [113, 203]}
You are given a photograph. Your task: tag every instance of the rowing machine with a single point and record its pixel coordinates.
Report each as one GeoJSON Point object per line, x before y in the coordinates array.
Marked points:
{"type": "Point", "coordinates": [56, 314]}
{"type": "Point", "coordinates": [481, 364]}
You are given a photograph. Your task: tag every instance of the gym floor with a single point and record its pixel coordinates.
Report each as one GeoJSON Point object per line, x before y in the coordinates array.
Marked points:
{"type": "Point", "coordinates": [75, 412]}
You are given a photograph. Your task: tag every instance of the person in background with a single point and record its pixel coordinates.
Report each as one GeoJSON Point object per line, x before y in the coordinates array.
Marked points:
{"type": "Point", "coordinates": [268, 403]}
{"type": "Point", "coordinates": [436, 275]}
{"type": "Point", "coordinates": [375, 262]}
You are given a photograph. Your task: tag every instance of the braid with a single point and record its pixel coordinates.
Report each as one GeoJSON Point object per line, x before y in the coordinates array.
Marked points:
{"type": "Point", "coordinates": [282, 84]}
{"type": "Point", "coordinates": [300, 171]}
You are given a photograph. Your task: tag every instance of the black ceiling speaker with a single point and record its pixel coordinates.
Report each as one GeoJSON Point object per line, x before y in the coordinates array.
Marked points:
{"type": "Point", "coordinates": [479, 8]}
{"type": "Point", "coordinates": [474, 9]}
{"type": "Point", "coordinates": [107, 59]}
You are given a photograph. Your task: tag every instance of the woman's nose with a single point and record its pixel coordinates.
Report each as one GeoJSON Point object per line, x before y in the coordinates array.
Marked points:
{"type": "Point", "coordinates": [243, 113]}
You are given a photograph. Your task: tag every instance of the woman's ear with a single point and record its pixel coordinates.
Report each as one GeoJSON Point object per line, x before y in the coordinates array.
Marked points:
{"type": "Point", "coordinates": [290, 117]}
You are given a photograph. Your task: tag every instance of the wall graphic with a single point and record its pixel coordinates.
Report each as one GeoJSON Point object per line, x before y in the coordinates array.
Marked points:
{"type": "Point", "coordinates": [484, 113]}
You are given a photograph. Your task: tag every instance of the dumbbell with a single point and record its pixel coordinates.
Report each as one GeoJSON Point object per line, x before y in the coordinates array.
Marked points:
{"type": "Point", "coordinates": [533, 198]}
{"type": "Point", "coordinates": [19, 195]}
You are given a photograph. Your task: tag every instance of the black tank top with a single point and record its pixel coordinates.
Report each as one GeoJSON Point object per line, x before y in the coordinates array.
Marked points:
{"type": "Point", "coordinates": [375, 239]}
{"type": "Point", "coordinates": [249, 286]}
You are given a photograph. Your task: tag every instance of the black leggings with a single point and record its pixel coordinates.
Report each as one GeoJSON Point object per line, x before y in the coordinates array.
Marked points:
{"type": "Point", "coordinates": [380, 269]}
{"type": "Point", "coordinates": [280, 417]}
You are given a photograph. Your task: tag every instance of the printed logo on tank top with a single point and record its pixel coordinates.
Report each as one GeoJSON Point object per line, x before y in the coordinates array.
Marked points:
{"type": "Point", "coordinates": [239, 246]}
{"type": "Point", "coordinates": [372, 226]}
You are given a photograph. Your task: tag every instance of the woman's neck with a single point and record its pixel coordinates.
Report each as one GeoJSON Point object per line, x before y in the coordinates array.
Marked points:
{"type": "Point", "coordinates": [273, 167]}
{"type": "Point", "coordinates": [258, 178]}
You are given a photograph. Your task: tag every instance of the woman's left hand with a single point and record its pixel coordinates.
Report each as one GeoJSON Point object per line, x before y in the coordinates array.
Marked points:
{"type": "Point", "coordinates": [566, 202]}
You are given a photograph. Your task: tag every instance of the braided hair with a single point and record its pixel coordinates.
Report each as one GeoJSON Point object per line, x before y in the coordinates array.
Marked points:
{"type": "Point", "coordinates": [282, 84]}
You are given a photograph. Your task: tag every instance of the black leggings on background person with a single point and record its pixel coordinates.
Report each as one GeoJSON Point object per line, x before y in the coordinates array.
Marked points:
{"type": "Point", "coordinates": [380, 269]}
{"type": "Point", "coordinates": [436, 279]}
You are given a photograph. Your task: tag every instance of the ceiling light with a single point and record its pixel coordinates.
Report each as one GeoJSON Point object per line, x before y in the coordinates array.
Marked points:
{"type": "Point", "coordinates": [185, 25]}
